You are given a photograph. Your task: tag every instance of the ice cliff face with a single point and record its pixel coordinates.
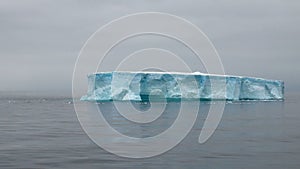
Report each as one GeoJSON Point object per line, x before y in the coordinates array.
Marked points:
{"type": "Point", "coordinates": [142, 86]}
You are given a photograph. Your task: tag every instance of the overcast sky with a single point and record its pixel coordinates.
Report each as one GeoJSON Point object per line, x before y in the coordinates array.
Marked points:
{"type": "Point", "coordinates": [40, 40]}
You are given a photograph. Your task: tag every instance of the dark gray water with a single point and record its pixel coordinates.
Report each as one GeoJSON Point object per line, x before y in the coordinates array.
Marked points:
{"type": "Point", "coordinates": [43, 132]}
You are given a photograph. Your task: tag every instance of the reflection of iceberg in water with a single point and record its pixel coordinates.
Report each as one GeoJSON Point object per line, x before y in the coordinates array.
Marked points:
{"type": "Point", "coordinates": [142, 86]}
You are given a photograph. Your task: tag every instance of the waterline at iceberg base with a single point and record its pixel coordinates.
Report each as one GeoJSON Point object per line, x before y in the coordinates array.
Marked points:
{"type": "Point", "coordinates": [142, 86]}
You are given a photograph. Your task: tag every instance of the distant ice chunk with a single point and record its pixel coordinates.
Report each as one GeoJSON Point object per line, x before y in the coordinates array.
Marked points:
{"type": "Point", "coordinates": [142, 86]}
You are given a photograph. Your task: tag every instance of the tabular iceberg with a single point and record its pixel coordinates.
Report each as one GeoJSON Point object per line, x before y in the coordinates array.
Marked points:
{"type": "Point", "coordinates": [145, 86]}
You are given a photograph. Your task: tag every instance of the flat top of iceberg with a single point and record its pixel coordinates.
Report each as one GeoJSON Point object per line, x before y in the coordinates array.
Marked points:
{"type": "Point", "coordinates": [182, 73]}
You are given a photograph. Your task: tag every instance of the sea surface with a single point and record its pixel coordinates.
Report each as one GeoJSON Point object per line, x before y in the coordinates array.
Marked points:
{"type": "Point", "coordinates": [44, 132]}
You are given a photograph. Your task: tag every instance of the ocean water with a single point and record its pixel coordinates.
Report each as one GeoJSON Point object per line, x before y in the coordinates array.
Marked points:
{"type": "Point", "coordinates": [44, 132]}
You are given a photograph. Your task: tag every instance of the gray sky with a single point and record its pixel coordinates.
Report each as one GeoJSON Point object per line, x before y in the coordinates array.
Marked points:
{"type": "Point", "coordinates": [40, 40]}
